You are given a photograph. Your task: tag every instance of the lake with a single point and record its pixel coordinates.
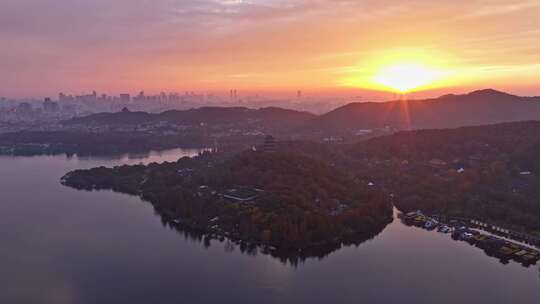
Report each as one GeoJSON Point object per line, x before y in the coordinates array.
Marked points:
{"type": "Point", "coordinates": [60, 245]}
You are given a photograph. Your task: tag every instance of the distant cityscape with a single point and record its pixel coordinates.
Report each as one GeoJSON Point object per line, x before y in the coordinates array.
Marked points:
{"type": "Point", "coordinates": [44, 114]}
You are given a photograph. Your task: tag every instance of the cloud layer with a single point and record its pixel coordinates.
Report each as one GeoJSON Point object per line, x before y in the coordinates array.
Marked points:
{"type": "Point", "coordinates": [78, 45]}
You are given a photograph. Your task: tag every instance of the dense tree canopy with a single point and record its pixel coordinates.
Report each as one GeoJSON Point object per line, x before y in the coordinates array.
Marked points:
{"type": "Point", "coordinates": [301, 202]}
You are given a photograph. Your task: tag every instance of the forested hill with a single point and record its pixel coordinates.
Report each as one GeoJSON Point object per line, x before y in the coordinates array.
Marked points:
{"type": "Point", "coordinates": [292, 201]}
{"type": "Point", "coordinates": [449, 111]}
{"type": "Point", "coordinates": [264, 117]}
{"type": "Point", "coordinates": [515, 141]}
{"type": "Point", "coordinates": [487, 172]}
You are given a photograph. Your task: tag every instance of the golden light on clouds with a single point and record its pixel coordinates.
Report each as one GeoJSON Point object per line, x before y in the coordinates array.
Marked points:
{"type": "Point", "coordinates": [269, 46]}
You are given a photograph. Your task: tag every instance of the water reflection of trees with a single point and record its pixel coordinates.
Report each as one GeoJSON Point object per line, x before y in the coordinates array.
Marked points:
{"type": "Point", "coordinates": [294, 258]}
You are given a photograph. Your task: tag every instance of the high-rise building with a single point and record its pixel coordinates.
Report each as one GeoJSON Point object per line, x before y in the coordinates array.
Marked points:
{"type": "Point", "coordinates": [24, 108]}
{"type": "Point", "coordinates": [125, 98]}
{"type": "Point", "coordinates": [140, 97]}
{"type": "Point", "coordinates": [50, 106]}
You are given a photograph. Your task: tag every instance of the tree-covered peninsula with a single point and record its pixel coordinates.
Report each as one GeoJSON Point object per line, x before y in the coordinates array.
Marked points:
{"type": "Point", "coordinates": [283, 200]}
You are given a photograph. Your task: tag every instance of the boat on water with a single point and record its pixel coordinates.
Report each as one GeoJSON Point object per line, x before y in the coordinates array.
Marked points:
{"type": "Point", "coordinates": [444, 229]}
{"type": "Point", "coordinates": [494, 246]}
{"type": "Point", "coordinates": [431, 224]}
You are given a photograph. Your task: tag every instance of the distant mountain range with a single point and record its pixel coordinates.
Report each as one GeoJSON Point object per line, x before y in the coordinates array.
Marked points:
{"type": "Point", "coordinates": [448, 111]}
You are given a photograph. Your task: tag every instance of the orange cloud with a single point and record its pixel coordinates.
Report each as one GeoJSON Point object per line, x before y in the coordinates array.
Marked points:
{"type": "Point", "coordinates": [126, 45]}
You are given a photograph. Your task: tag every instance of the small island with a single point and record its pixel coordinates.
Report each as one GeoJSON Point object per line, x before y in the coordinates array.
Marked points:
{"type": "Point", "coordinates": [284, 201]}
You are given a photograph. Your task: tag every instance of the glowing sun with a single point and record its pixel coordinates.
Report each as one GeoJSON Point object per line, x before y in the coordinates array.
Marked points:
{"type": "Point", "coordinates": [406, 77]}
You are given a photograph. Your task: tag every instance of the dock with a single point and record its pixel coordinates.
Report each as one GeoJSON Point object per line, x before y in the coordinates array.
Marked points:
{"type": "Point", "coordinates": [479, 234]}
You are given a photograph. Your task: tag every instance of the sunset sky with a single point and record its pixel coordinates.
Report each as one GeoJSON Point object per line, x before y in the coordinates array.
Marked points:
{"type": "Point", "coordinates": [76, 46]}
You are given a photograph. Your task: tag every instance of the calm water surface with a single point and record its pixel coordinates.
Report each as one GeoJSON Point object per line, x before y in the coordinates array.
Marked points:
{"type": "Point", "coordinates": [60, 245]}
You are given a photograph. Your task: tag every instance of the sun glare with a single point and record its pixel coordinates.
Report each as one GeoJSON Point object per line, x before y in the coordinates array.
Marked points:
{"type": "Point", "coordinates": [406, 77]}
{"type": "Point", "coordinates": [404, 70]}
